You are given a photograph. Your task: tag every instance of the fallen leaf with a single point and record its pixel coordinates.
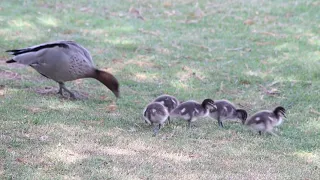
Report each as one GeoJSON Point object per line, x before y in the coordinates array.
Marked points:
{"type": "Point", "coordinates": [167, 4]}
{"type": "Point", "coordinates": [47, 90]}
{"type": "Point", "coordinates": [43, 138]}
{"type": "Point", "coordinates": [154, 33]}
{"type": "Point", "coordinates": [9, 74]}
{"type": "Point", "coordinates": [198, 13]}
{"type": "Point", "coordinates": [170, 13]}
{"type": "Point", "coordinates": [92, 123]}
{"type": "Point", "coordinates": [245, 82]}
{"type": "Point", "coordinates": [78, 81]}
{"type": "Point", "coordinates": [316, 3]}
{"type": "Point", "coordinates": [268, 19]}
{"type": "Point", "coordinates": [270, 92]}
{"type": "Point", "coordinates": [195, 16]}
{"type": "Point", "coordinates": [194, 155]}
{"type": "Point", "coordinates": [2, 92]}
{"type": "Point", "coordinates": [85, 9]}
{"type": "Point", "coordinates": [265, 43]}
{"type": "Point", "coordinates": [34, 109]}
{"type": "Point", "coordinates": [248, 22]}
{"type": "Point", "coordinates": [20, 160]}
{"type": "Point", "coordinates": [111, 108]}
{"type": "Point", "coordinates": [116, 61]}
{"type": "Point", "coordinates": [68, 31]}
{"type": "Point", "coordinates": [314, 111]}
{"type": "Point", "coordinates": [135, 13]}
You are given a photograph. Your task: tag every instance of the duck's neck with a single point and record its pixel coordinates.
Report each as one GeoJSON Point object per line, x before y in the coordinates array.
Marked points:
{"type": "Point", "coordinates": [107, 79]}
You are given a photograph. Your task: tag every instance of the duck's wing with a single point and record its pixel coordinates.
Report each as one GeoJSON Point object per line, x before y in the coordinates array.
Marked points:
{"type": "Point", "coordinates": [33, 55]}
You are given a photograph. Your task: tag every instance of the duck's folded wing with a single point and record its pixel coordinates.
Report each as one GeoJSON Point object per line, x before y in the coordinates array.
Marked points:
{"type": "Point", "coordinates": [32, 55]}
{"type": "Point", "coordinates": [39, 47]}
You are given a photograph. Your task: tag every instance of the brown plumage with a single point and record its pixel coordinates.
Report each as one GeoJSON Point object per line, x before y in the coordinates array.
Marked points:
{"type": "Point", "coordinates": [192, 110]}
{"type": "Point", "coordinates": [63, 61]}
{"type": "Point", "coordinates": [224, 110]}
{"type": "Point", "coordinates": [265, 120]}
{"type": "Point", "coordinates": [167, 101]}
{"type": "Point", "coordinates": [155, 114]}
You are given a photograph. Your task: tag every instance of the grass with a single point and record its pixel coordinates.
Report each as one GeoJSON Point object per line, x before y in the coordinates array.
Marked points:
{"type": "Point", "coordinates": [243, 51]}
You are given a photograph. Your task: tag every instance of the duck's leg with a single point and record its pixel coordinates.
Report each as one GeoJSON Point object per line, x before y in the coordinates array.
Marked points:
{"type": "Point", "coordinates": [260, 133]}
{"type": "Point", "coordinates": [62, 86]}
{"type": "Point", "coordinates": [269, 128]}
{"type": "Point", "coordinates": [156, 129]}
{"type": "Point", "coordinates": [220, 122]}
{"type": "Point", "coordinates": [189, 123]}
{"type": "Point", "coordinates": [169, 121]}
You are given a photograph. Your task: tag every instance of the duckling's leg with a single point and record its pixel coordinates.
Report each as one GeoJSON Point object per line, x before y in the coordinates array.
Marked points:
{"type": "Point", "coordinates": [189, 123]}
{"type": "Point", "coordinates": [169, 121]}
{"type": "Point", "coordinates": [260, 133]}
{"type": "Point", "coordinates": [272, 133]}
{"type": "Point", "coordinates": [269, 128]}
{"type": "Point", "coordinates": [156, 129]}
{"type": "Point", "coordinates": [220, 122]}
{"type": "Point", "coordinates": [60, 89]}
{"type": "Point", "coordinates": [62, 86]}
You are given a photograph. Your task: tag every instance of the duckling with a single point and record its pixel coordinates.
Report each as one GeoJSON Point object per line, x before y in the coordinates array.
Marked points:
{"type": "Point", "coordinates": [155, 114]}
{"type": "Point", "coordinates": [170, 102]}
{"type": "Point", "coordinates": [192, 110]}
{"type": "Point", "coordinates": [265, 120]}
{"type": "Point", "coordinates": [63, 61]}
{"type": "Point", "coordinates": [224, 109]}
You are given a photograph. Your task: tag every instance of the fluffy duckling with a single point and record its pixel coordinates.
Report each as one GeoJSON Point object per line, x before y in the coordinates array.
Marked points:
{"type": "Point", "coordinates": [224, 109]}
{"type": "Point", "coordinates": [170, 102]}
{"type": "Point", "coordinates": [192, 110]}
{"type": "Point", "coordinates": [63, 61]}
{"type": "Point", "coordinates": [155, 114]}
{"type": "Point", "coordinates": [265, 121]}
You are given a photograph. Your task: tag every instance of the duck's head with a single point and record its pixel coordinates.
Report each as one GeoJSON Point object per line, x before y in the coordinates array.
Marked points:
{"type": "Point", "coordinates": [208, 104]}
{"type": "Point", "coordinates": [279, 112]}
{"type": "Point", "coordinates": [242, 115]}
{"type": "Point", "coordinates": [108, 80]}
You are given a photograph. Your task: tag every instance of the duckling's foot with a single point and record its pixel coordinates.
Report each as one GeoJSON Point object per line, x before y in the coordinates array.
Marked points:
{"type": "Point", "coordinates": [220, 124]}
{"type": "Point", "coordinates": [156, 130]}
{"type": "Point", "coordinates": [189, 124]}
{"type": "Point", "coordinates": [60, 91]}
{"type": "Point", "coordinates": [272, 133]}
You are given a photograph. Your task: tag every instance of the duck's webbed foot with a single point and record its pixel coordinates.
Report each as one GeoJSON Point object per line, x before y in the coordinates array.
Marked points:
{"type": "Point", "coordinates": [63, 87]}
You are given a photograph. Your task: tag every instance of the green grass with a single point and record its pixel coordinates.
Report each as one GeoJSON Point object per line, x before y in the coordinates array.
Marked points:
{"type": "Point", "coordinates": [215, 56]}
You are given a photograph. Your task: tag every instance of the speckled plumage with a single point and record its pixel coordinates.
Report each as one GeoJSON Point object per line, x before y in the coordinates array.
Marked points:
{"type": "Point", "coordinates": [63, 61]}
{"type": "Point", "coordinates": [155, 114]}
{"type": "Point", "coordinates": [224, 110]}
{"type": "Point", "coordinates": [266, 120]}
{"type": "Point", "coordinates": [170, 102]}
{"type": "Point", "coordinates": [192, 110]}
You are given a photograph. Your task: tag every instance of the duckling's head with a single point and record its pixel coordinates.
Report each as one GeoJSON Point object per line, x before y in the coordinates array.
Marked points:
{"type": "Point", "coordinates": [208, 104]}
{"type": "Point", "coordinates": [242, 115]}
{"type": "Point", "coordinates": [108, 80]}
{"type": "Point", "coordinates": [279, 112]}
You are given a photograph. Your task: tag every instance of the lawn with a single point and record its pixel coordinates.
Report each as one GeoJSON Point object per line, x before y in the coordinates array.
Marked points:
{"type": "Point", "coordinates": [257, 54]}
